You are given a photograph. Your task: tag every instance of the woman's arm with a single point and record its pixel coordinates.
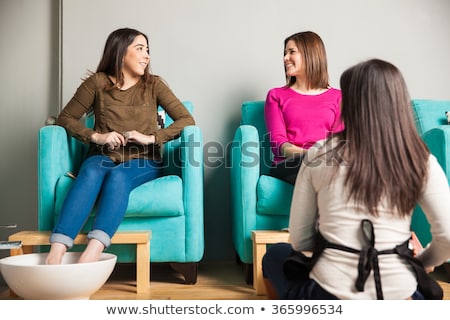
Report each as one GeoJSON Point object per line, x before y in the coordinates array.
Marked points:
{"type": "Point", "coordinates": [436, 206]}
{"type": "Point", "coordinates": [175, 109]}
{"type": "Point", "coordinates": [80, 104]}
{"type": "Point", "coordinates": [276, 127]}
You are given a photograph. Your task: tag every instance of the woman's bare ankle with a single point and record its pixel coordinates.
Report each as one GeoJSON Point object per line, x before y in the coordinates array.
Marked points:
{"type": "Point", "coordinates": [92, 252]}
{"type": "Point", "coordinates": [57, 251]}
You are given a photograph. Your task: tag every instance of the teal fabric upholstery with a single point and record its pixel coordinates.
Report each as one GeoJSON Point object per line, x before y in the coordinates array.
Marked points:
{"type": "Point", "coordinates": [431, 123]}
{"type": "Point", "coordinates": [259, 202]}
{"type": "Point", "coordinates": [170, 206]}
{"type": "Point", "coordinates": [271, 194]}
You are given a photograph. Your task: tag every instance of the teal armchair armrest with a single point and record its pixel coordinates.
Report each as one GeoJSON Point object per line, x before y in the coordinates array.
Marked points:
{"type": "Point", "coordinates": [245, 172]}
{"type": "Point", "coordinates": [191, 155]}
{"type": "Point", "coordinates": [58, 154]}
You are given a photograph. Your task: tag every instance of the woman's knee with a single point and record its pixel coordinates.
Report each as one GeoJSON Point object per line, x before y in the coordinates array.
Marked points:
{"type": "Point", "coordinates": [278, 251]}
{"type": "Point", "coordinates": [274, 258]}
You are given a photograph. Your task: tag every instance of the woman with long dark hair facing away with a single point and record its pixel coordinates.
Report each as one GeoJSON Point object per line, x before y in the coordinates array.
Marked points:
{"type": "Point", "coordinates": [354, 198]}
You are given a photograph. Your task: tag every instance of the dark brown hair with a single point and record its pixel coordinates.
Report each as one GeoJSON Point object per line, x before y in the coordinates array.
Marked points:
{"type": "Point", "coordinates": [313, 52]}
{"type": "Point", "coordinates": [115, 49]}
{"type": "Point", "coordinates": [385, 156]}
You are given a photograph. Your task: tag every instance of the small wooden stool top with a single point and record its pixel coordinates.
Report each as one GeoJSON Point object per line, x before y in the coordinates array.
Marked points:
{"type": "Point", "coordinates": [30, 238]}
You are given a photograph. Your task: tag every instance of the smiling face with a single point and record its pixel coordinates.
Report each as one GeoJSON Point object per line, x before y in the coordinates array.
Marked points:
{"type": "Point", "coordinates": [293, 61]}
{"type": "Point", "coordinates": [136, 59]}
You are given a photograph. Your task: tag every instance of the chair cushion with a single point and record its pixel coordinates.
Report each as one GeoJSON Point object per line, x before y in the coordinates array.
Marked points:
{"type": "Point", "coordinates": [162, 197]}
{"type": "Point", "coordinates": [274, 196]}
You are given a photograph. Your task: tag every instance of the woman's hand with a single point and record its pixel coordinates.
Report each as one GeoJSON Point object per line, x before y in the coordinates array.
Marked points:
{"type": "Point", "coordinates": [417, 247]}
{"type": "Point", "coordinates": [111, 139]}
{"type": "Point", "coordinates": [415, 244]}
{"type": "Point", "coordinates": [139, 138]}
{"type": "Point", "coordinates": [289, 150]}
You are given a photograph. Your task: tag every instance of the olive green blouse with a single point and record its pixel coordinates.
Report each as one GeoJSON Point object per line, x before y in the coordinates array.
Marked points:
{"type": "Point", "coordinates": [124, 110]}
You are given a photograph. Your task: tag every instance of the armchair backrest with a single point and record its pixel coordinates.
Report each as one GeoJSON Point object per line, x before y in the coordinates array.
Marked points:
{"type": "Point", "coordinates": [429, 114]}
{"type": "Point", "coordinates": [171, 151]}
{"type": "Point", "coordinates": [252, 113]}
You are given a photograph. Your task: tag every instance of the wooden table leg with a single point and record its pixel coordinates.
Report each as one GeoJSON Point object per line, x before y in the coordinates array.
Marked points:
{"type": "Point", "coordinates": [143, 267]}
{"type": "Point", "coordinates": [259, 249]}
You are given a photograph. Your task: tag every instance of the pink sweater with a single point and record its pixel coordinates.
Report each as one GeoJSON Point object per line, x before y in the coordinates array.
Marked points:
{"type": "Point", "coordinates": [301, 119]}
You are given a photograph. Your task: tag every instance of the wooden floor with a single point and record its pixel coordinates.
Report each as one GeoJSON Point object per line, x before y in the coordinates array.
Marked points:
{"type": "Point", "coordinates": [216, 281]}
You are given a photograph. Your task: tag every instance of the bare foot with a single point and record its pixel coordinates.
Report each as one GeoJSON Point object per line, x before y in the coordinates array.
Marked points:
{"type": "Point", "coordinates": [57, 251]}
{"type": "Point", "coordinates": [92, 252]}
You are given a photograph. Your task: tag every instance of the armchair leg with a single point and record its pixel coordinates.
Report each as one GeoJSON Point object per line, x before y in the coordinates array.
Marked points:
{"type": "Point", "coordinates": [248, 269]}
{"type": "Point", "coordinates": [189, 271]}
{"type": "Point", "coordinates": [248, 273]}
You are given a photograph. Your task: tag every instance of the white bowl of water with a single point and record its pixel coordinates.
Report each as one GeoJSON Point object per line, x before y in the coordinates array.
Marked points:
{"type": "Point", "coordinates": [30, 278]}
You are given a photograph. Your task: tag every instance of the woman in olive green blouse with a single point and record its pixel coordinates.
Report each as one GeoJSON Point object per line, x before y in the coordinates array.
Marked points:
{"type": "Point", "coordinates": [124, 145]}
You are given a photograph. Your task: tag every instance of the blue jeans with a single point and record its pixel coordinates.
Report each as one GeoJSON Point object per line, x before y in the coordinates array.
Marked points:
{"type": "Point", "coordinates": [303, 288]}
{"type": "Point", "coordinates": [106, 185]}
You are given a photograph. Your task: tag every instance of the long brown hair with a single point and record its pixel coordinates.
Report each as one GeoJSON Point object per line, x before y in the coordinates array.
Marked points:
{"type": "Point", "coordinates": [312, 49]}
{"type": "Point", "coordinates": [115, 49]}
{"type": "Point", "coordinates": [385, 156]}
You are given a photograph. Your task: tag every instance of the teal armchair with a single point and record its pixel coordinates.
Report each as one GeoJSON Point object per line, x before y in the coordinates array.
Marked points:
{"type": "Point", "coordinates": [170, 206]}
{"type": "Point", "coordinates": [432, 126]}
{"type": "Point", "coordinates": [259, 201]}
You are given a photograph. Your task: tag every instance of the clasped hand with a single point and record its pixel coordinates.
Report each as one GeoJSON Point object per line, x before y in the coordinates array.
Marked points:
{"type": "Point", "coordinates": [115, 140]}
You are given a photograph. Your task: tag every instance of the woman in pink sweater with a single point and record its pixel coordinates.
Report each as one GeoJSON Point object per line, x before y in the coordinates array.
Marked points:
{"type": "Point", "coordinates": [303, 111]}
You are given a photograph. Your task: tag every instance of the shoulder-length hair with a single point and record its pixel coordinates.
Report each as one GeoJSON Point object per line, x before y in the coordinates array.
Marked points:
{"type": "Point", "coordinates": [115, 49]}
{"type": "Point", "coordinates": [312, 50]}
{"type": "Point", "coordinates": [386, 158]}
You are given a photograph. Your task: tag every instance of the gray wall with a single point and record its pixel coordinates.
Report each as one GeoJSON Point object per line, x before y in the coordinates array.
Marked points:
{"type": "Point", "coordinates": [215, 53]}
{"type": "Point", "coordinates": [28, 94]}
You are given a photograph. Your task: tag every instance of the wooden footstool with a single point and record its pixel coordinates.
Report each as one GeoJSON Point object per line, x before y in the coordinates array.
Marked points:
{"type": "Point", "coordinates": [261, 238]}
{"type": "Point", "coordinates": [140, 238]}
